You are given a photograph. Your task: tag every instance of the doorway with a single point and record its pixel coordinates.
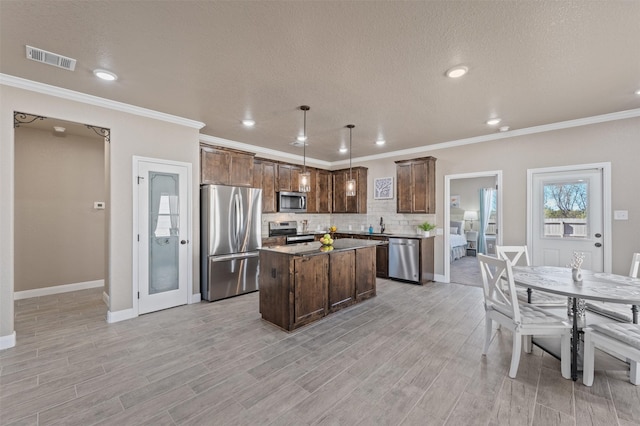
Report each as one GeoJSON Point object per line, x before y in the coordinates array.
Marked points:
{"type": "Point", "coordinates": [461, 243]}
{"type": "Point", "coordinates": [162, 226]}
{"type": "Point", "coordinates": [60, 206]}
{"type": "Point", "coordinates": [567, 213]}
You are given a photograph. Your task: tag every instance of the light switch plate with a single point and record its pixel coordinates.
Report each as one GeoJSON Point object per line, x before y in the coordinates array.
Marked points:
{"type": "Point", "coordinates": [620, 215]}
{"type": "Point", "coordinates": [98, 205]}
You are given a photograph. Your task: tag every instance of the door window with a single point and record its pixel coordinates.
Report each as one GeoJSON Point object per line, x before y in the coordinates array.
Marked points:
{"type": "Point", "coordinates": [566, 207]}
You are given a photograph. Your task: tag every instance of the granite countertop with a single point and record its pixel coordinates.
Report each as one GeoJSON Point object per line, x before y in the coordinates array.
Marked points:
{"type": "Point", "coordinates": [315, 248]}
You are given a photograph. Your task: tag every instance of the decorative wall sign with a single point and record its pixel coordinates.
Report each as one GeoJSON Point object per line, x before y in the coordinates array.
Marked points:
{"type": "Point", "coordinates": [455, 201]}
{"type": "Point", "coordinates": [383, 188]}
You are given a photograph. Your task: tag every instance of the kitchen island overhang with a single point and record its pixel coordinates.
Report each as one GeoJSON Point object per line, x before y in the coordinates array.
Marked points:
{"type": "Point", "coordinates": [301, 283]}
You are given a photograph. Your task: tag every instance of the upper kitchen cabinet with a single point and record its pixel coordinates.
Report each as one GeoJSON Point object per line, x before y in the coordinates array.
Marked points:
{"type": "Point", "coordinates": [288, 175]}
{"type": "Point", "coordinates": [264, 177]}
{"type": "Point", "coordinates": [225, 166]}
{"type": "Point", "coordinates": [416, 185]}
{"type": "Point", "coordinates": [319, 197]}
{"type": "Point", "coordinates": [354, 204]}
{"type": "Point", "coordinates": [324, 191]}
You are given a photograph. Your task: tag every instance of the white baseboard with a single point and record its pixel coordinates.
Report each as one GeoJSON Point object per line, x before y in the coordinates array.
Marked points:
{"type": "Point", "coordinates": [195, 298]}
{"type": "Point", "coordinates": [105, 298]}
{"type": "Point", "coordinates": [65, 288]}
{"type": "Point", "coordinates": [122, 315]}
{"type": "Point", "coordinates": [8, 341]}
{"type": "Point", "coordinates": [439, 278]}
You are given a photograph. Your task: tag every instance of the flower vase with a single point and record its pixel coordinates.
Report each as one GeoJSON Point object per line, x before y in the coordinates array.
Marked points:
{"type": "Point", "coordinates": [576, 274]}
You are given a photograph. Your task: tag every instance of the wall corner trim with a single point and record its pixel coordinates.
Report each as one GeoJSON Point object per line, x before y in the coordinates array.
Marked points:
{"type": "Point", "coordinates": [117, 316]}
{"type": "Point", "coordinates": [440, 279]}
{"type": "Point", "coordinates": [195, 298]}
{"type": "Point", "coordinates": [57, 289]}
{"type": "Point", "coordinates": [105, 298]}
{"type": "Point", "coordinates": [34, 86]}
{"type": "Point", "coordinates": [8, 341]}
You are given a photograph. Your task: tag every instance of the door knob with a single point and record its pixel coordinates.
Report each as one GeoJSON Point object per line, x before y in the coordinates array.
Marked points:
{"type": "Point", "coordinates": [598, 245]}
{"type": "Point", "coordinates": [183, 242]}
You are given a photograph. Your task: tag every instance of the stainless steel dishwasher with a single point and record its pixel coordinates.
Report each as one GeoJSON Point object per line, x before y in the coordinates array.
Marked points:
{"type": "Point", "coordinates": [404, 259]}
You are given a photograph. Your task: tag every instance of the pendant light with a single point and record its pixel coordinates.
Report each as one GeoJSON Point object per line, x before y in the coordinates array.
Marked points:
{"type": "Point", "coordinates": [304, 179]}
{"type": "Point", "coordinates": [351, 183]}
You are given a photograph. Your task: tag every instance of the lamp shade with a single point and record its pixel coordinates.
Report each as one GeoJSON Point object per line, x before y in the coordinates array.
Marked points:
{"type": "Point", "coordinates": [470, 215]}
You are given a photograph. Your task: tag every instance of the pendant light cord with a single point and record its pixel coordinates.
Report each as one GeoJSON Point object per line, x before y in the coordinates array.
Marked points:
{"type": "Point", "coordinates": [350, 126]}
{"type": "Point", "coordinates": [304, 108]}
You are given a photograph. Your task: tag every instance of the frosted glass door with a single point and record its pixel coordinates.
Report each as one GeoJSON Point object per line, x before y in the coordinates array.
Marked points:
{"type": "Point", "coordinates": [164, 232]}
{"type": "Point", "coordinates": [163, 239]}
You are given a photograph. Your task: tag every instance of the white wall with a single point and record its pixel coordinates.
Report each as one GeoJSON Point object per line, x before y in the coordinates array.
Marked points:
{"type": "Point", "coordinates": [131, 134]}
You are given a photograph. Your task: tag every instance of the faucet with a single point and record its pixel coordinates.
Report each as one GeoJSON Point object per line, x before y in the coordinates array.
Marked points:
{"type": "Point", "coordinates": [381, 225]}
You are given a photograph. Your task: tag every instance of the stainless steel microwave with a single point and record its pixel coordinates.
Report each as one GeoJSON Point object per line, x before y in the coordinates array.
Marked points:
{"type": "Point", "coordinates": [292, 202]}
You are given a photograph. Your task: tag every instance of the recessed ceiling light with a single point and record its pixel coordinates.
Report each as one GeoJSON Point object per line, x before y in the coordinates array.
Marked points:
{"type": "Point", "coordinates": [59, 129]}
{"type": "Point", "coordinates": [493, 121]}
{"type": "Point", "coordinates": [457, 72]}
{"type": "Point", "coordinates": [248, 123]}
{"type": "Point", "coordinates": [380, 142]}
{"type": "Point", "coordinates": [343, 150]}
{"type": "Point", "coordinates": [638, 92]}
{"type": "Point", "coordinates": [301, 138]}
{"type": "Point", "coordinates": [504, 129]}
{"type": "Point", "coordinates": [105, 75]}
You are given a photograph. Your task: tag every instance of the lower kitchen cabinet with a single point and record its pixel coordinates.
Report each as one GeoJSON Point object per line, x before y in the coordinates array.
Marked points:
{"type": "Point", "coordinates": [298, 289]}
{"type": "Point", "coordinates": [365, 281]}
{"type": "Point", "coordinates": [382, 260]}
{"type": "Point", "coordinates": [342, 279]}
{"type": "Point", "coordinates": [310, 294]}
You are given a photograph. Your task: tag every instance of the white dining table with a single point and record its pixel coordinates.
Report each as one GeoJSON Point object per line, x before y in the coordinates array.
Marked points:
{"type": "Point", "coordinates": [600, 286]}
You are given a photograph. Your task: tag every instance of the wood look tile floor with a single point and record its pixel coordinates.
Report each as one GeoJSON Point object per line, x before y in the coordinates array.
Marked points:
{"type": "Point", "coordinates": [410, 356]}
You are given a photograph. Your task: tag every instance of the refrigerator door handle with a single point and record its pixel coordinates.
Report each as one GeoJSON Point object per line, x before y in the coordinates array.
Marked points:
{"type": "Point", "coordinates": [236, 207]}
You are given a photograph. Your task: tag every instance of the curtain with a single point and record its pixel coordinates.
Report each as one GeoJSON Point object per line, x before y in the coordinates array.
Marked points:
{"type": "Point", "coordinates": [486, 201]}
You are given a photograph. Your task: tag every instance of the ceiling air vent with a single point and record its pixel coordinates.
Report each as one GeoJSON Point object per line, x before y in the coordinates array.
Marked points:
{"type": "Point", "coordinates": [50, 58]}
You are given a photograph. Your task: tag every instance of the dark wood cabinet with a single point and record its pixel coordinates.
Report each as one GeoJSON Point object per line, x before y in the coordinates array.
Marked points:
{"type": "Point", "coordinates": [298, 289]}
{"type": "Point", "coordinates": [319, 198]}
{"type": "Point", "coordinates": [416, 185]}
{"type": "Point", "coordinates": [352, 204]}
{"type": "Point", "coordinates": [324, 191]}
{"type": "Point", "coordinates": [225, 167]}
{"type": "Point", "coordinates": [382, 257]}
{"type": "Point", "coordinates": [342, 279]}
{"type": "Point", "coordinates": [381, 253]}
{"type": "Point", "coordinates": [293, 289]}
{"type": "Point", "coordinates": [310, 291]}
{"type": "Point", "coordinates": [264, 177]}
{"type": "Point", "coordinates": [288, 175]}
{"type": "Point", "coordinates": [365, 282]}
{"type": "Point", "coordinates": [274, 241]}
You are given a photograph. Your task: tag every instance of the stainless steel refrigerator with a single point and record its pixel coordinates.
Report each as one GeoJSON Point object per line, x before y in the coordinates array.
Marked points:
{"type": "Point", "coordinates": [230, 236]}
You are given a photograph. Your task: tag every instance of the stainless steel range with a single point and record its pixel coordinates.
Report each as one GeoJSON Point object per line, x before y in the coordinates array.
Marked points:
{"type": "Point", "coordinates": [290, 231]}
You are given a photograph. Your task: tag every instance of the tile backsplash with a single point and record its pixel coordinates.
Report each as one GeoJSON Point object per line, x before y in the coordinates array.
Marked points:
{"type": "Point", "coordinates": [394, 222]}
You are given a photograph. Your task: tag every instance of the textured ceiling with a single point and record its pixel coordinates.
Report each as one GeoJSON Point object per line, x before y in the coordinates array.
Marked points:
{"type": "Point", "coordinates": [379, 65]}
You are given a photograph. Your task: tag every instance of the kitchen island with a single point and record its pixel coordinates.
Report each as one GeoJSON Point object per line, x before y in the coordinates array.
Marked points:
{"type": "Point", "coordinates": [301, 283]}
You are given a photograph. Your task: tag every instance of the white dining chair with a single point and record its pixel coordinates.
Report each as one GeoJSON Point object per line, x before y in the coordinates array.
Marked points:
{"type": "Point", "coordinates": [519, 256]}
{"type": "Point", "coordinates": [522, 319]}
{"type": "Point", "coordinates": [617, 311]}
{"type": "Point", "coordinates": [621, 338]}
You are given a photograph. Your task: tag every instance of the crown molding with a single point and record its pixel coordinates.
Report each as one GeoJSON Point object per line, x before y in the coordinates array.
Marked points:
{"type": "Point", "coordinates": [34, 86]}
{"type": "Point", "coordinates": [214, 140]}
{"type": "Point", "coordinates": [621, 115]}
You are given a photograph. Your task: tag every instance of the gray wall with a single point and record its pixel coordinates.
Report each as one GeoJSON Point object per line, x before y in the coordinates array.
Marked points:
{"type": "Point", "coordinates": [59, 236]}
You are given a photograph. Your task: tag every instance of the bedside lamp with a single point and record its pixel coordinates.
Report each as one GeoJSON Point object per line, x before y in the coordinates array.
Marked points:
{"type": "Point", "coordinates": [470, 215]}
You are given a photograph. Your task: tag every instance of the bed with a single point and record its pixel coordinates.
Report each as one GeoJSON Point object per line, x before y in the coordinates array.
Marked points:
{"type": "Point", "coordinates": [457, 240]}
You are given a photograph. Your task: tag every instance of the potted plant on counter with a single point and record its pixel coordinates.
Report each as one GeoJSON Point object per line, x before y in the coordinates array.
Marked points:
{"type": "Point", "coordinates": [425, 228]}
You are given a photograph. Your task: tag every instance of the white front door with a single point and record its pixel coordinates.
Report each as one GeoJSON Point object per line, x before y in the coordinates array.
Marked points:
{"type": "Point", "coordinates": [567, 216]}
{"type": "Point", "coordinates": [164, 211]}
